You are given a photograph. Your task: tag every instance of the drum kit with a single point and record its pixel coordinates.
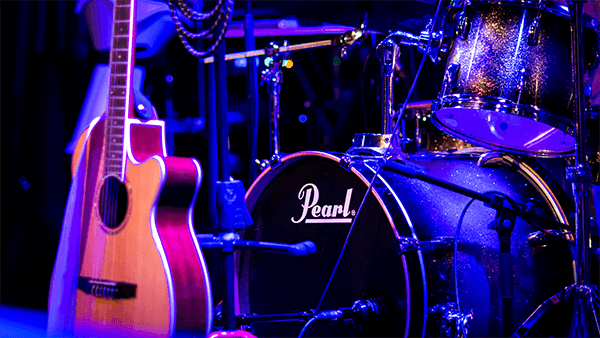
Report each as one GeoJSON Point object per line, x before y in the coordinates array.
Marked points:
{"type": "Point", "coordinates": [395, 239]}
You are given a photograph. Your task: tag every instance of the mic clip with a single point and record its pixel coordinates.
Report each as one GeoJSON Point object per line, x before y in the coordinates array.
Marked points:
{"type": "Point", "coordinates": [351, 39]}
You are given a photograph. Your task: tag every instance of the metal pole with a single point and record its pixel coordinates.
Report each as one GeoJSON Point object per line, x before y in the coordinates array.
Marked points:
{"type": "Point", "coordinates": [274, 93]}
{"type": "Point", "coordinates": [580, 175]}
{"type": "Point", "coordinates": [222, 111]}
{"type": "Point", "coordinates": [388, 52]}
{"type": "Point", "coordinates": [581, 169]}
{"type": "Point", "coordinates": [252, 92]}
{"type": "Point", "coordinates": [228, 269]}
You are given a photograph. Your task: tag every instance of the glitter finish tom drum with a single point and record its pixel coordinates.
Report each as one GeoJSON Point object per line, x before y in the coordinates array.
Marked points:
{"type": "Point", "coordinates": [508, 82]}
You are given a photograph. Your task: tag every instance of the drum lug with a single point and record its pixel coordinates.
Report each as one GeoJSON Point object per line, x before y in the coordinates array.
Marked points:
{"type": "Point", "coordinates": [346, 162]}
{"type": "Point", "coordinates": [448, 321]}
{"type": "Point", "coordinates": [406, 244]}
{"type": "Point", "coordinates": [450, 78]}
{"type": "Point", "coordinates": [275, 161]}
{"type": "Point", "coordinates": [534, 31]}
{"type": "Point", "coordinates": [521, 84]}
{"type": "Point", "coordinates": [463, 25]}
{"type": "Point", "coordinates": [456, 3]}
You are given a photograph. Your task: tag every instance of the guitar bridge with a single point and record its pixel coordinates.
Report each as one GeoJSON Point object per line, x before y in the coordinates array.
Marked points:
{"type": "Point", "coordinates": [106, 289]}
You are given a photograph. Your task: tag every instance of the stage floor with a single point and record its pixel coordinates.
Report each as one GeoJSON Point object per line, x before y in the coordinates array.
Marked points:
{"type": "Point", "coordinates": [22, 322]}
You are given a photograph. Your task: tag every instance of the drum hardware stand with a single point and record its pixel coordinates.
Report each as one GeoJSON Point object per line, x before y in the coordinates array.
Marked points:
{"type": "Point", "coordinates": [584, 295]}
{"type": "Point", "coordinates": [273, 75]}
{"type": "Point", "coordinates": [406, 244]}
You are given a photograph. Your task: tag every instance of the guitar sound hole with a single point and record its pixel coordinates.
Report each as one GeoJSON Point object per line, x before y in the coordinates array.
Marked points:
{"type": "Point", "coordinates": [113, 202]}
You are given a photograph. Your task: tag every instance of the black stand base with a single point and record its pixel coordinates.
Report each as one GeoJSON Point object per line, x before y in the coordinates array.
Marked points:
{"type": "Point", "coordinates": [584, 298]}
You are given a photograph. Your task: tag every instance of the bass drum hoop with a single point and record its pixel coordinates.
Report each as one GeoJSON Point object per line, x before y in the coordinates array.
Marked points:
{"type": "Point", "coordinates": [386, 202]}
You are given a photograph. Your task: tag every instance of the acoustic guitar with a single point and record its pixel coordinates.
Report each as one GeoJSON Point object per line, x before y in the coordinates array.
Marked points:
{"type": "Point", "coordinates": [142, 272]}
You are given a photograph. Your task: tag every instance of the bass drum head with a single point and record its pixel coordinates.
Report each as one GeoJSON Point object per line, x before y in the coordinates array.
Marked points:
{"type": "Point", "coordinates": [284, 284]}
{"type": "Point", "coordinates": [312, 197]}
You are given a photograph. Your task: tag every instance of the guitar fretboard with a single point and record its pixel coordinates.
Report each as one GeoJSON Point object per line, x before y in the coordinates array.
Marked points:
{"type": "Point", "coordinates": [119, 97]}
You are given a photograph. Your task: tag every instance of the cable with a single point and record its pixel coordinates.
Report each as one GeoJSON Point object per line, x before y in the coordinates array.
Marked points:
{"type": "Point", "coordinates": [394, 134]}
{"type": "Point", "coordinates": [456, 237]}
{"type": "Point", "coordinates": [306, 327]}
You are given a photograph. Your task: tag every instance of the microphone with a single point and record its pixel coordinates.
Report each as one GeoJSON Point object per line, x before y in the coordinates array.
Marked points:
{"type": "Point", "coordinates": [302, 248]}
{"type": "Point", "coordinates": [364, 311]}
{"type": "Point", "coordinates": [361, 311]}
{"type": "Point", "coordinates": [208, 241]}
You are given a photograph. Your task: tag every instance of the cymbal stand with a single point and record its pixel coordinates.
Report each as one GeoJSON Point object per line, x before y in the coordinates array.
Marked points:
{"type": "Point", "coordinates": [273, 76]}
{"type": "Point", "coordinates": [582, 292]}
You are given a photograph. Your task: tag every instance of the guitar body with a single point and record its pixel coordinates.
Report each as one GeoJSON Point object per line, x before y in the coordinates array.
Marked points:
{"type": "Point", "coordinates": [142, 272]}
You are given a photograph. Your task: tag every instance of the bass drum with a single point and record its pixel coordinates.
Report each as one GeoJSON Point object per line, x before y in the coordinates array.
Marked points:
{"type": "Point", "coordinates": [316, 195]}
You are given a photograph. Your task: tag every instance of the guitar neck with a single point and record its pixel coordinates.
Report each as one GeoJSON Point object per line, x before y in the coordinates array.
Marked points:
{"type": "Point", "coordinates": [120, 104]}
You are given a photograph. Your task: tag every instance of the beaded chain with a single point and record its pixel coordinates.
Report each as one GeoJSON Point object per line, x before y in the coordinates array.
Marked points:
{"type": "Point", "coordinates": [182, 32]}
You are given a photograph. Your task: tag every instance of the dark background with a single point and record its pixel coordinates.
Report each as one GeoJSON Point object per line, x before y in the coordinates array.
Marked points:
{"type": "Point", "coordinates": [47, 62]}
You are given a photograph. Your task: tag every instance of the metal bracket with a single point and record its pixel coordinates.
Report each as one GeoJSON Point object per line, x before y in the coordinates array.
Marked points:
{"type": "Point", "coordinates": [579, 174]}
{"type": "Point", "coordinates": [406, 244]}
{"type": "Point", "coordinates": [451, 323]}
{"type": "Point", "coordinates": [463, 25]}
{"type": "Point", "coordinates": [534, 31]}
{"type": "Point", "coordinates": [543, 237]}
{"type": "Point", "coordinates": [450, 78]}
{"type": "Point", "coordinates": [346, 162]}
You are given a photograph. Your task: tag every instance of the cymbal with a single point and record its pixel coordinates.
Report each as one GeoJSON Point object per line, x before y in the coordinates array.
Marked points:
{"type": "Point", "coordinates": [384, 16]}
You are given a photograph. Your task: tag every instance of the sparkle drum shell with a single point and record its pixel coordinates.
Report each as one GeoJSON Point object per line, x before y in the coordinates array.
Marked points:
{"type": "Point", "coordinates": [508, 83]}
{"type": "Point", "coordinates": [411, 283]}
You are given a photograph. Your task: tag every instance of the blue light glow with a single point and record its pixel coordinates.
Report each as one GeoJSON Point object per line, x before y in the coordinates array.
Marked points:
{"type": "Point", "coordinates": [24, 184]}
{"type": "Point", "coordinates": [302, 118]}
{"type": "Point", "coordinates": [169, 78]}
{"type": "Point", "coordinates": [240, 63]}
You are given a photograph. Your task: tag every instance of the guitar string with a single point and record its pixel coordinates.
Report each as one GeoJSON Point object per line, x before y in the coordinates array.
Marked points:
{"type": "Point", "coordinates": [115, 210]}
{"type": "Point", "coordinates": [111, 184]}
